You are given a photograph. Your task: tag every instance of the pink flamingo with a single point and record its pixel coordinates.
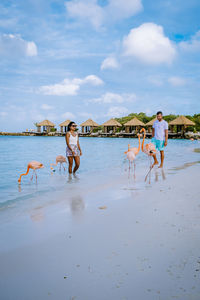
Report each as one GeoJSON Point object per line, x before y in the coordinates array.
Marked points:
{"type": "Point", "coordinates": [59, 159]}
{"type": "Point", "coordinates": [149, 149]}
{"type": "Point", "coordinates": [132, 153]}
{"type": "Point", "coordinates": [32, 165]}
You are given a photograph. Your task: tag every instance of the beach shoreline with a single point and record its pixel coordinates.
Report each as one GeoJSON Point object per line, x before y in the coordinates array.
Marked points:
{"type": "Point", "coordinates": [113, 242]}
{"type": "Point", "coordinates": [125, 135]}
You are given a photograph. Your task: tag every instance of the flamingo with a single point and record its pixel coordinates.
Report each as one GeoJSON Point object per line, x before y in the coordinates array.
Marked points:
{"type": "Point", "coordinates": [59, 159]}
{"type": "Point", "coordinates": [32, 165]}
{"type": "Point", "coordinates": [132, 153]}
{"type": "Point", "coordinates": [149, 149]}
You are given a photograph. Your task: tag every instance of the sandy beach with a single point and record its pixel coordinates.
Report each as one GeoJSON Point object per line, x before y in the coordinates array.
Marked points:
{"type": "Point", "coordinates": [112, 241]}
{"type": "Point", "coordinates": [100, 150]}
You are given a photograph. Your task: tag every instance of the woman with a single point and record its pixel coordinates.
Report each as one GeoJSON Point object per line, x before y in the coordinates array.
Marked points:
{"type": "Point", "coordinates": [73, 150]}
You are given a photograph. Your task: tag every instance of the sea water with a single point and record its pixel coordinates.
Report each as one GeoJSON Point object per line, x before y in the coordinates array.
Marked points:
{"type": "Point", "coordinates": [102, 158]}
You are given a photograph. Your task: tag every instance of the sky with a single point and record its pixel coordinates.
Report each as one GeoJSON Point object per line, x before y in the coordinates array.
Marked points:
{"type": "Point", "coordinates": [97, 59]}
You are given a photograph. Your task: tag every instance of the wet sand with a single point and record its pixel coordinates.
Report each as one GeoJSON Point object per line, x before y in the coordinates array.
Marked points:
{"type": "Point", "coordinates": [113, 240]}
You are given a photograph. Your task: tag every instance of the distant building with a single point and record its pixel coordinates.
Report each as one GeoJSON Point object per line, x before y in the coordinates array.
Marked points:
{"type": "Point", "coordinates": [133, 125]}
{"type": "Point", "coordinates": [149, 125]}
{"type": "Point", "coordinates": [46, 126]}
{"type": "Point", "coordinates": [88, 126]}
{"type": "Point", "coordinates": [111, 126]}
{"type": "Point", "coordinates": [64, 125]}
{"type": "Point", "coordinates": [181, 123]}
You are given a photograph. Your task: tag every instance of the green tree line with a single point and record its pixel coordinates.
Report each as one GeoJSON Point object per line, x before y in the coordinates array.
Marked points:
{"type": "Point", "coordinates": [145, 119]}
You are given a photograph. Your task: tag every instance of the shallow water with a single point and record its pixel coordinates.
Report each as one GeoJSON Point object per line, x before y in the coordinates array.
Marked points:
{"type": "Point", "coordinates": [99, 235]}
{"type": "Point", "coordinates": [102, 160]}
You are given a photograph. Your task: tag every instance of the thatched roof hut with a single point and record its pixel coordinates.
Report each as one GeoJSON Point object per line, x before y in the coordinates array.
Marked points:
{"type": "Point", "coordinates": [63, 125]}
{"type": "Point", "coordinates": [88, 126]}
{"type": "Point", "coordinates": [182, 120]}
{"type": "Point", "coordinates": [47, 126]}
{"type": "Point", "coordinates": [111, 125]}
{"type": "Point", "coordinates": [46, 123]}
{"type": "Point", "coordinates": [133, 124]}
{"type": "Point", "coordinates": [182, 123]}
{"type": "Point", "coordinates": [150, 123]}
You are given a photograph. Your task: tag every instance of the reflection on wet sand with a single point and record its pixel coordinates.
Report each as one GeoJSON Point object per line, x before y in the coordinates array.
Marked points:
{"type": "Point", "coordinates": [77, 205]}
{"type": "Point", "coordinates": [157, 171]}
{"type": "Point", "coordinates": [37, 214]}
{"type": "Point", "coordinates": [74, 204]}
{"type": "Point", "coordinates": [186, 165]}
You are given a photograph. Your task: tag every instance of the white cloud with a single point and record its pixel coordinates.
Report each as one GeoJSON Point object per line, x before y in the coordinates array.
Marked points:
{"type": "Point", "coordinates": [92, 79]}
{"type": "Point", "coordinates": [91, 11]}
{"type": "Point", "coordinates": [66, 87]}
{"type": "Point", "coordinates": [117, 111]}
{"type": "Point", "coordinates": [46, 107]}
{"type": "Point", "coordinates": [109, 63]}
{"type": "Point", "coordinates": [193, 44]}
{"type": "Point", "coordinates": [176, 81]}
{"type": "Point", "coordinates": [86, 10]}
{"type": "Point", "coordinates": [14, 46]}
{"type": "Point", "coordinates": [149, 44]}
{"type": "Point", "coordinates": [120, 9]}
{"type": "Point", "coordinates": [69, 86]}
{"type": "Point", "coordinates": [114, 98]}
{"type": "Point", "coordinates": [31, 49]}
{"type": "Point", "coordinates": [68, 115]}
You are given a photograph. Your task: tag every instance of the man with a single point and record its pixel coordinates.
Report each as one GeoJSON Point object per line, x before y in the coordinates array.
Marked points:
{"type": "Point", "coordinates": [160, 137]}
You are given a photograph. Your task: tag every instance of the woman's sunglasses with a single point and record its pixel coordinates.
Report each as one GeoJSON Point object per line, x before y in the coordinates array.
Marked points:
{"type": "Point", "coordinates": [74, 125]}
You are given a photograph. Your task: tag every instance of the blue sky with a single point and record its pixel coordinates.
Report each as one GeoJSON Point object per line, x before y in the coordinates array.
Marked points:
{"type": "Point", "coordinates": [83, 59]}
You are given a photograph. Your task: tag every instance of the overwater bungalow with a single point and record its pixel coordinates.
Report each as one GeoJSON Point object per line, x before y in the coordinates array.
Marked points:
{"type": "Point", "coordinates": [149, 125]}
{"type": "Point", "coordinates": [63, 126]}
{"type": "Point", "coordinates": [181, 123]}
{"type": "Point", "coordinates": [133, 126]}
{"type": "Point", "coordinates": [88, 126]}
{"type": "Point", "coordinates": [46, 125]}
{"type": "Point", "coordinates": [111, 126]}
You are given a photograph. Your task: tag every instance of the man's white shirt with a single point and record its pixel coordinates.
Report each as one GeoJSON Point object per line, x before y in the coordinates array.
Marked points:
{"type": "Point", "coordinates": [160, 127]}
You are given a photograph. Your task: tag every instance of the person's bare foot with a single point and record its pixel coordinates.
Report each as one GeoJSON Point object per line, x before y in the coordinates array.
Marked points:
{"type": "Point", "coordinates": [161, 166]}
{"type": "Point", "coordinates": [155, 163]}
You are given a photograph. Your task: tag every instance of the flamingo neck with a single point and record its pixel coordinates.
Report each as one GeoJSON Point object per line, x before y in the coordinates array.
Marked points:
{"type": "Point", "coordinates": [139, 143]}
{"type": "Point", "coordinates": [143, 141]}
{"type": "Point", "coordinates": [19, 180]}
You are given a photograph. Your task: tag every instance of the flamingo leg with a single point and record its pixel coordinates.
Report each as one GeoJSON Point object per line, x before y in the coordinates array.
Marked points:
{"type": "Point", "coordinates": [60, 167]}
{"type": "Point", "coordinates": [32, 176]}
{"type": "Point", "coordinates": [149, 172]}
{"type": "Point", "coordinates": [63, 167]}
{"type": "Point", "coordinates": [35, 175]}
{"type": "Point", "coordinates": [134, 169]}
{"type": "Point", "coordinates": [151, 166]}
{"type": "Point", "coordinates": [129, 169]}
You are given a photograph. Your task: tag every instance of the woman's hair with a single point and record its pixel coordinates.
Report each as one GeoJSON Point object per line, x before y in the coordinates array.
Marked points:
{"type": "Point", "coordinates": [69, 125]}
